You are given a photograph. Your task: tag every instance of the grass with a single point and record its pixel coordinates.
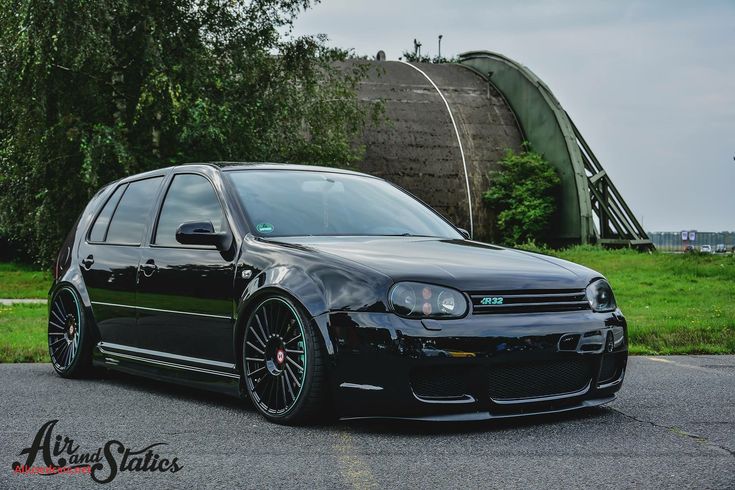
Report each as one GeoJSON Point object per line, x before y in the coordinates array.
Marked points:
{"type": "Point", "coordinates": [675, 304]}
{"type": "Point", "coordinates": [23, 333]}
{"type": "Point", "coordinates": [23, 281]}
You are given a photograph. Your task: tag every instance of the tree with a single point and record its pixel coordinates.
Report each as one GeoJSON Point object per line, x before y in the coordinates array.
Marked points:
{"type": "Point", "coordinates": [92, 91]}
{"type": "Point", "coordinates": [523, 196]}
{"type": "Point", "coordinates": [422, 58]}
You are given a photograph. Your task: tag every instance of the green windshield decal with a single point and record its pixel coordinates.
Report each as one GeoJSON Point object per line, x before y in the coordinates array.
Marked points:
{"type": "Point", "coordinates": [264, 227]}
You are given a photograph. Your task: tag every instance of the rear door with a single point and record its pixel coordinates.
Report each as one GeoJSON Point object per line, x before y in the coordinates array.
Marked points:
{"type": "Point", "coordinates": [109, 257]}
{"type": "Point", "coordinates": [185, 292]}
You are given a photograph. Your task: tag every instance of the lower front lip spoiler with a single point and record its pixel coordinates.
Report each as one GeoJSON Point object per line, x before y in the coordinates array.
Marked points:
{"type": "Point", "coordinates": [479, 416]}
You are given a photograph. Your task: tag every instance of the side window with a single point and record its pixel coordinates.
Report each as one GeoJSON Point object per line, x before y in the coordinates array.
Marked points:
{"type": "Point", "coordinates": [99, 230]}
{"type": "Point", "coordinates": [131, 214]}
{"type": "Point", "coordinates": [189, 198]}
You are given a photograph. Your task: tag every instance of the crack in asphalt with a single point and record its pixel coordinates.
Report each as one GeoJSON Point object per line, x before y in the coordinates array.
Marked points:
{"type": "Point", "coordinates": [676, 430]}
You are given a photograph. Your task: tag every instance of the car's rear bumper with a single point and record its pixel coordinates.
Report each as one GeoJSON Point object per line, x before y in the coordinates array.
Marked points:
{"type": "Point", "coordinates": [476, 368]}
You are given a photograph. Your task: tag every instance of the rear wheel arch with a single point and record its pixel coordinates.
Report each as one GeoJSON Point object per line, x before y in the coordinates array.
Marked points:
{"type": "Point", "coordinates": [81, 364]}
{"type": "Point", "coordinates": [77, 284]}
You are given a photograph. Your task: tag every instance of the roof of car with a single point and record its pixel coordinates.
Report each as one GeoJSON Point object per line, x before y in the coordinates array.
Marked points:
{"type": "Point", "coordinates": [234, 166]}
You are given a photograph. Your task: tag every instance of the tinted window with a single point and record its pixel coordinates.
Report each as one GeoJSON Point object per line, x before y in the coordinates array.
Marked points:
{"type": "Point", "coordinates": [190, 198]}
{"type": "Point", "coordinates": [300, 203]}
{"type": "Point", "coordinates": [99, 230]}
{"type": "Point", "coordinates": [131, 214]}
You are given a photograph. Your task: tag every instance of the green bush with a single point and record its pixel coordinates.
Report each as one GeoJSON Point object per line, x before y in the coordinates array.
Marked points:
{"type": "Point", "coordinates": [522, 196]}
{"type": "Point", "coordinates": [93, 91]}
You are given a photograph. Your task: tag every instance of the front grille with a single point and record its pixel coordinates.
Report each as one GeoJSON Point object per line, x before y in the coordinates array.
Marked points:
{"type": "Point", "coordinates": [440, 381]}
{"type": "Point", "coordinates": [539, 379]}
{"type": "Point", "coordinates": [529, 301]}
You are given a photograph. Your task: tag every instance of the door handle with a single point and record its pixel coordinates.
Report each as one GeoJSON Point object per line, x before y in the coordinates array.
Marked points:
{"type": "Point", "coordinates": [87, 263]}
{"type": "Point", "coordinates": [149, 268]}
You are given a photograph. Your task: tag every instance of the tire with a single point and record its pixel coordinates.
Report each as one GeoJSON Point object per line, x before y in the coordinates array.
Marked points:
{"type": "Point", "coordinates": [283, 363]}
{"type": "Point", "coordinates": [69, 339]}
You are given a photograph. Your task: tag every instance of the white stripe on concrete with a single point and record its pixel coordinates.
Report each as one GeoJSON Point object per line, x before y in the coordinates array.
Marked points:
{"type": "Point", "coordinates": [459, 140]}
{"type": "Point", "coordinates": [7, 302]}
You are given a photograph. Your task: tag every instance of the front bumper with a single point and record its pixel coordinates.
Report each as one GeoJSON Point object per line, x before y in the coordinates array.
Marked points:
{"type": "Point", "coordinates": [476, 368]}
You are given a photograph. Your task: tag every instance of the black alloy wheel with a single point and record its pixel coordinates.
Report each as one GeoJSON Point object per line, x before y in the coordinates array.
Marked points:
{"type": "Point", "coordinates": [67, 336]}
{"type": "Point", "coordinates": [282, 362]}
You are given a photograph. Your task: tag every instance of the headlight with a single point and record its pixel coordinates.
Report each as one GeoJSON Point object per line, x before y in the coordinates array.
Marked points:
{"type": "Point", "coordinates": [416, 300]}
{"type": "Point", "coordinates": [600, 296]}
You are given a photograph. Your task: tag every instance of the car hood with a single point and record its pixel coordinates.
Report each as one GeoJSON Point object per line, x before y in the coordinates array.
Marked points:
{"type": "Point", "coordinates": [463, 264]}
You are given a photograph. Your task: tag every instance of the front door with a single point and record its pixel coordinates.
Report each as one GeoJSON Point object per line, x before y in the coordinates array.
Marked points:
{"type": "Point", "coordinates": [185, 292]}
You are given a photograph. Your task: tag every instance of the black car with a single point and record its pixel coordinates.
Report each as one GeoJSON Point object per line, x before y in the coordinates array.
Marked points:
{"type": "Point", "coordinates": [316, 291]}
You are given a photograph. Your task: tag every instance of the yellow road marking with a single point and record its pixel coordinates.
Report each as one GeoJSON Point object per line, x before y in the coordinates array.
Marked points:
{"type": "Point", "coordinates": [698, 368]}
{"type": "Point", "coordinates": [353, 468]}
{"type": "Point", "coordinates": [658, 359]}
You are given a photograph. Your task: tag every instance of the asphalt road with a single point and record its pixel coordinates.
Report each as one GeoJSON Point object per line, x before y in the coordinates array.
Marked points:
{"type": "Point", "coordinates": [672, 426]}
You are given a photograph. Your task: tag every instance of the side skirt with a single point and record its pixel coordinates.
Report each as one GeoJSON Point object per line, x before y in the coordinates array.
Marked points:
{"type": "Point", "coordinates": [170, 368]}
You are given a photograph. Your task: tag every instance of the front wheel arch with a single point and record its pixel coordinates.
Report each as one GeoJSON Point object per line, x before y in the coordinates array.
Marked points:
{"type": "Point", "coordinates": [247, 307]}
{"type": "Point", "coordinates": [315, 402]}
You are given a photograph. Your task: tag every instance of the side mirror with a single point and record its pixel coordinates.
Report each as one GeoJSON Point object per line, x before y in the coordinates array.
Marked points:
{"type": "Point", "coordinates": [202, 233]}
{"type": "Point", "coordinates": [465, 233]}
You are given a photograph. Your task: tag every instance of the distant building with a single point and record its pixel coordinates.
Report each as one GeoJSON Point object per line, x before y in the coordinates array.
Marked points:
{"type": "Point", "coordinates": [670, 241]}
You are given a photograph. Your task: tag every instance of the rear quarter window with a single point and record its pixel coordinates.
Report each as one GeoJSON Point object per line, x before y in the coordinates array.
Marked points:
{"type": "Point", "coordinates": [99, 229]}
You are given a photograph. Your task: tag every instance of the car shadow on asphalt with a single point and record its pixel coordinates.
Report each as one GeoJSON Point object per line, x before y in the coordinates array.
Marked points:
{"type": "Point", "coordinates": [365, 426]}
{"type": "Point", "coordinates": [167, 388]}
{"type": "Point", "coordinates": [421, 427]}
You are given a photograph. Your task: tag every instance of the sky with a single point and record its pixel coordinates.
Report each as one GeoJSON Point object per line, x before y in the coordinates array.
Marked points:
{"type": "Point", "coordinates": [650, 84]}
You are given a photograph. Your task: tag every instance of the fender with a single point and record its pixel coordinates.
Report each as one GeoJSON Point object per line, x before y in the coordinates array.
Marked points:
{"type": "Point", "coordinates": [293, 283]}
{"type": "Point", "coordinates": [301, 274]}
{"type": "Point", "coordinates": [306, 280]}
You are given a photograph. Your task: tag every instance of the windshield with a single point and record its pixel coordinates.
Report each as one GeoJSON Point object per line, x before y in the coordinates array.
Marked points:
{"type": "Point", "coordinates": [304, 203]}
